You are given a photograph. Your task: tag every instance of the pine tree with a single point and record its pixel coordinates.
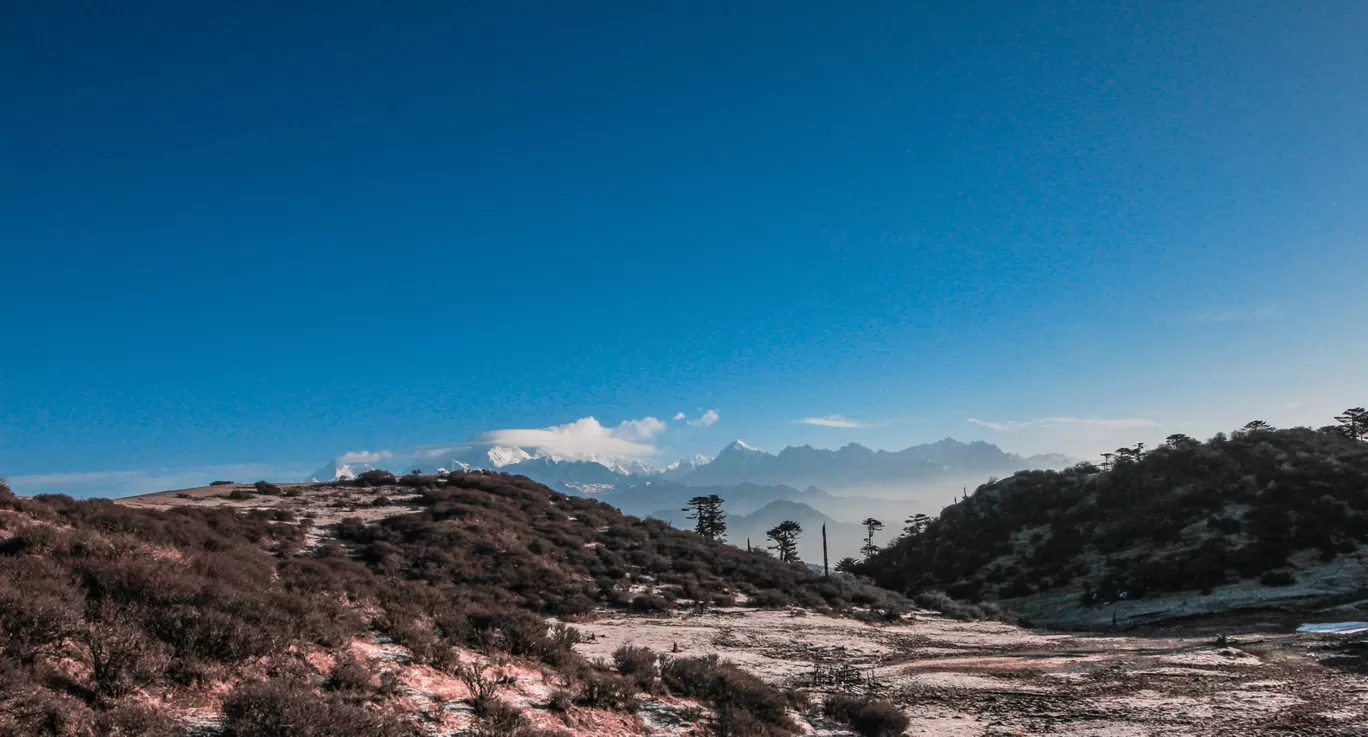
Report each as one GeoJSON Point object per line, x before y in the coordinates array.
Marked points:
{"type": "Point", "coordinates": [785, 538]}
{"type": "Point", "coordinates": [871, 526]}
{"type": "Point", "coordinates": [916, 524]}
{"type": "Point", "coordinates": [1355, 422]}
{"type": "Point", "coordinates": [709, 519]}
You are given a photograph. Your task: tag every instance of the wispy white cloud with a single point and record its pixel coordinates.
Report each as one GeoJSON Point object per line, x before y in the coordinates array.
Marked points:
{"type": "Point", "coordinates": [642, 430]}
{"type": "Point", "coordinates": [707, 419]}
{"type": "Point", "coordinates": [831, 421]}
{"type": "Point", "coordinates": [1109, 424]}
{"type": "Point", "coordinates": [679, 416]}
{"type": "Point", "coordinates": [584, 438]}
{"type": "Point", "coordinates": [365, 456]}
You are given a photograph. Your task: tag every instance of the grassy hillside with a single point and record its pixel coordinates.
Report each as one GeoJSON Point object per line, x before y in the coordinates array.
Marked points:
{"type": "Point", "coordinates": [119, 621]}
{"type": "Point", "coordinates": [1188, 516]}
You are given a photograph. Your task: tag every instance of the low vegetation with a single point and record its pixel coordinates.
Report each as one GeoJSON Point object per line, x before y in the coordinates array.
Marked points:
{"type": "Point", "coordinates": [1186, 516]}
{"type": "Point", "coordinates": [867, 717]}
{"type": "Point", "coordinates": [107, 611]}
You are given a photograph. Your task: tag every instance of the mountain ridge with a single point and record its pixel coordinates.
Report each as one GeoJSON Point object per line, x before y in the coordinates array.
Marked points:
{"type": "Point", "coordinates": [800, 466]}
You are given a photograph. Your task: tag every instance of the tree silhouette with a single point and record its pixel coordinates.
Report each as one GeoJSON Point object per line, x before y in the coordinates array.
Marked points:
{"type": "Point", "coordinates": [1177, 439]}
{"type": "Point", "coordinates": [1256, 426]}
{"type": "Point", "coordinates": [709, 519]}
{"type": "Point", "coordinates": [1355, 422]}
{"type": "Point", "coordinates": [916, 524]}
{"type": "Point", "coordinates": [1107, 461]}
{"type": "Point", "coordinates": [871, 526]}
{"type": "Point", "coordinates": [785, 538]}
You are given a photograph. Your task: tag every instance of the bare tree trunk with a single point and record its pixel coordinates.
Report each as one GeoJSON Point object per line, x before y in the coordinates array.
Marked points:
{"type": "Point", "coordinates": [826, 572]}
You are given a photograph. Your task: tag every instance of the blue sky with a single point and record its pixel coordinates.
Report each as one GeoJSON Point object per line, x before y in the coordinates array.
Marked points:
{"type": "Point", "coordinates": [258, 235]}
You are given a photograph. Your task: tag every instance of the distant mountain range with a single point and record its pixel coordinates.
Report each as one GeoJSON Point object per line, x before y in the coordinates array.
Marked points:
{"type": "Point", "coordinates": [850, 467]}
{"type": "Point", "coordinates": [855, 465]}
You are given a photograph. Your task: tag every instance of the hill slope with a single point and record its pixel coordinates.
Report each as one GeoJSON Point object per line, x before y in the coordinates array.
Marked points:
{"type": "Point", "coordinates": [119, 619]}
{"type": "Point", "coordinates": [1261, 506]}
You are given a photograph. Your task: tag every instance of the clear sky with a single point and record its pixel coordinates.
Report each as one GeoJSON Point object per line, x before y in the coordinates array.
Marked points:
{"type": "Point", "coordinates": [259, 234]}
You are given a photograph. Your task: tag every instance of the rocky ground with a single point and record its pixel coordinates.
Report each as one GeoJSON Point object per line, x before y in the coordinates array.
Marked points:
{"type": "Point", "coordinates": [985, 678]}
{"type": "Point", "coordinates": [1249, 675]}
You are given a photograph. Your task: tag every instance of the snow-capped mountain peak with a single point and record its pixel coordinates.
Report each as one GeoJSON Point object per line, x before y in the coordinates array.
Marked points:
{"type": "Point", "coordinates": [691, 462]}
{"type": "Point", "coordinates": [741, 445]}
{"type": "Point", "coordinates": [502, 456]}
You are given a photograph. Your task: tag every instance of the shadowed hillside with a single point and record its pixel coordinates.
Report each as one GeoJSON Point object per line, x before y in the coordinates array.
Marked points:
{"type": "Point", "coordinates": [1262, 506]}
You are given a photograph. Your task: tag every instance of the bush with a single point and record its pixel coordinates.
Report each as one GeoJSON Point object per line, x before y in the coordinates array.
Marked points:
{"type": "Point", "coordinates": [349, 674]}
{"type": "Point", "coordinates": [268, 489]}
{"type": "Point", "coordinates": [770, 599]}
{"type": "Point", "coordinates": [483, 684]}
{"type": "Point", "coordinates": [283, 708]}
{"type": "Point", "coordinates": [222, 483]}
{"type": "Point", "coordinates": [601, 690]}
{"type": "Point", "coordinates": [122, 656]}
{"type": "Point", "coordinates": [867, 717]}
{"type": "Point", "coordinates": [238, 494]}
{"type": "Point", "coordinates": [498, 719]}
{"type": "Point", "coordinates": [27, 710]}
{"type": "Point", "coordinates": [638, 664]}
{"type": "Point", "coordinates": [1278, 578]}
{"type": "Point", "coordinates": [939, 601]}
{"type": "Point", "coordinates": [133, 719]}
{"type": "Point", "coordinates": [375, 477]}
{"type": "Point", "coordinates": [726, 686]}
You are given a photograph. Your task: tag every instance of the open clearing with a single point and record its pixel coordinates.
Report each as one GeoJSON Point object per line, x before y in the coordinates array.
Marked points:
{"type": "Point", "coordinates": [975, 679]}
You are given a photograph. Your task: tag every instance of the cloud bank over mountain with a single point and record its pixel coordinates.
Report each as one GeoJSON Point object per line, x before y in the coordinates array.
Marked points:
{"type": "Point", "coordinates": [584, 439]}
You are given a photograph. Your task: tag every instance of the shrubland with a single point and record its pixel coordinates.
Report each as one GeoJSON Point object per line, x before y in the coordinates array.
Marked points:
{"type": "Point", "coordinates": [111, 615]}
{"type": "Point", "coordinates": [1187, 516]}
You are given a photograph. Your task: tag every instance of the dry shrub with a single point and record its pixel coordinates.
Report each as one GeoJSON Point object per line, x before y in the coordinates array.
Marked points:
{"type": "Point", "coordinates": [30, 711]}
{"type": "Point", "coordinates": [599, 690]}
{"type": "Point", "coordinates": [498, 719]}
{"type": "Point", "coordinates": [739, 697]}
{"type": "Point", "coordinates": [122, 657]}
{"type": "Point", "coordinates": [288, 708]}
{"type": "Point", "coordinates": [483, 684]}
{"type": "Point", "coordinates": [349, 674]}
{"type": "Point", "coordinates": [38, 609]}
{"type": "Point", "coordinates": [134, 719]}
{"type": "Point", "coordinates": [638, 664]}
{"type": "Point", "coordinates": [867, 717]}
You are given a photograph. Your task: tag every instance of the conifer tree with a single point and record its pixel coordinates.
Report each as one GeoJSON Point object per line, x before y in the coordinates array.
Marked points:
{"type": "Point", "coordinates": [1355, 422]}
{"type": "Point", "coordinates": [871, 526]}
{"type": "Point", "coordinates": [785, 538]}
{"type": "Point", "coordinates": [916, 524]}
{"type": "Point", "coordinates": [709, 519]}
